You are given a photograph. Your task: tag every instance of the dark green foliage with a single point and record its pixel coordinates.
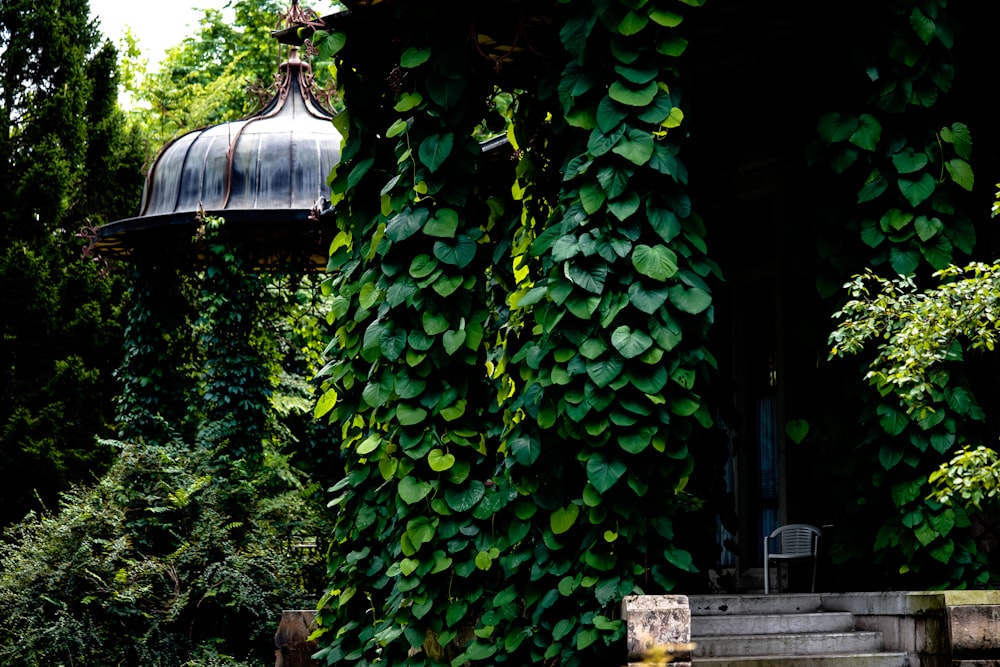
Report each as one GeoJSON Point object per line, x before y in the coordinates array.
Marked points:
{"type": "Point", "coordinates": [65, 163]}
{"type": "Point", "coordinates": [512, 375]}
{"type": "Point", "coordinates": [905, 161]}
{"type": "Point", "coordinates": [171, 559]}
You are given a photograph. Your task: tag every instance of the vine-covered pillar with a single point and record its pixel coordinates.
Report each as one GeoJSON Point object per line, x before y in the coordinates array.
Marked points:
{"type": "Point", "coordinates": [235, 382]}
{"type": "Point", "coordinates": [156, 372]}
{"type": "Point", "coordinates": [619, 309]}
{"type": "Point", "coordinates": [413, 561]}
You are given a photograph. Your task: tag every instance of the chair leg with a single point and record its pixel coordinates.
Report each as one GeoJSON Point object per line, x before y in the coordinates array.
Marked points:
{"type": "Point", "coordinates": [814, 575]}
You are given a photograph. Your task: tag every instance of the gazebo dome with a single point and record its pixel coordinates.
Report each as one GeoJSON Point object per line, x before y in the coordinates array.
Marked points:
{"type": "Point", "coordinates": [265, 174]}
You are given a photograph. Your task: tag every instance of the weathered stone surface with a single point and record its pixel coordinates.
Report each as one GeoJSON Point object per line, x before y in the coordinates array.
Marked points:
{"type": "Point", "coordinates": [291, 641]}
{"type": "Point", "coordinates": [658, 623]}
{"type": "Point", "coordinates": [974, 630]}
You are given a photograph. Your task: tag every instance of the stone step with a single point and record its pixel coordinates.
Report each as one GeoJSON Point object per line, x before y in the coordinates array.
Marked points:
{"type": "Point", "coordinates": [832, 660]}
{"type": "Point", "coordinates": [795, 603]}
{"type": "Point", "coordinates": [788, 644]}
{"type": "Point", "coordinates": [771, 624]}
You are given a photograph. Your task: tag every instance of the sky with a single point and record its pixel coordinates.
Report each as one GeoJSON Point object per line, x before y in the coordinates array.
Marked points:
{"type": "Point", "coordinates": [158, 24]}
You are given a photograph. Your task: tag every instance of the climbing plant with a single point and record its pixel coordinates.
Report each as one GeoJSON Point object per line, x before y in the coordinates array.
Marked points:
{"type": "Point", "coordinates": [911, 163]}
{"type": "Point", "coordinates": [519, 343]}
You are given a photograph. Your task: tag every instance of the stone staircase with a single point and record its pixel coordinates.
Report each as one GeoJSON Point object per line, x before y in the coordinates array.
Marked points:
{"type": "Point", "coordinates": [781, 631]}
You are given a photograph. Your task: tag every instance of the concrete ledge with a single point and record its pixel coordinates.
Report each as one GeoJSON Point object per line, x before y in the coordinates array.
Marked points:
{"type": "Point", "coordinates": [974, 631]}
{"type": "Point", "coordinates": [658, 623]}
{"type": "Point", "coordinates": [905, 603]}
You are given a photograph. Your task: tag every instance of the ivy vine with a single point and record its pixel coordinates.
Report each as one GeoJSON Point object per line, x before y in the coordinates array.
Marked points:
{"type": "Point", "coordinates": [912, 165]}
{"type": "Point", "coordinates": [516, 365]}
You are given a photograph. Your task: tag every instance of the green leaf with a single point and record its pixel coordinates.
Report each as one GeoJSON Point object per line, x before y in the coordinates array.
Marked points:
{"type": "Point", "coordinates": [434, 149]}
{"type": "Point", "coordinates": [422, 266]}
{"type": "Point", "coordinates": [421, 530]}
{"type": "Point", "coordinates": [665, 17]}
{"type": "Point", "coordinates": [406, 223]}
{"type": "Point", "coordinates": [917, 191]}
{"type": "Point", "coordinates": [796, 430]}
{"type": "Point", "coordinates": [525, 450]}
{"type": "Point", "coordinates": [614, 179]}
{"type": "Point", "coordinates": [459, 252]}
{"type": "Point", "coordinates": [833, 127]}
{"type": "Point", "coordinates": [637, 75]}
{"type": "Point", "coordinates": [632, 23]}
{"type": "Point", "coordinates": [408, 415]}
{"type": "Point", "coordinates": [943, 521]}
{"type": "Point", "coordinates": [868, 133]}
{"type": "Point", "coordinates": [904, 260]}
{"type": "Point", "coordinates": [602, 473]}
{"type": "Point", "coordinates": [377, 394]}
{"type": "Point", "coordinates": [908, 161]}
{"type": "Point", "coordinates": [636, 146]}
{"type": "Point", "coordinates": [603, 371]}
{"type": "Point", "coordinates": [623, 207]}
{"type": "Point", "coordinates": [453, 340]}
{"type": "Point", "coordinates": [439, 461]}
{"type": "Point", "coordinates": [629, 343]}
{"type": "Point", "coordinates": [325, 403]}
{"type": "Point", "coordinates": [632, 95]}
{"type": "Point", "coordinates": [609, 115]}
{"type": "Point", "coordinates": [443, 224]}
{"type": "Point", "coordinates": [943, 552]}
{"type": "Point", "coordinates": [892, 420]}
{"type": "Point", "coordinates": [591, 279]}
{"type": "Point", "coordinates": [657, 262]}
{"type": "Point", "coordinates": [961, 173]}
{"type": "Point", "coordinates": [464, 499]}
{"type": "Point", "coordinates": [592, 197]}
{"type": "Point", "coordinates": [445, 91]}
{"type": "Point", "coordinates": [958, 135]}
{"type": "Point", "coordinates": [671, 45]}
{"type": "Point", "coordinates": [414, 57]}
{"type": "Point", "coordinates": [408, 102]}
{"type": "Point", "coordinates": [600, 143]}
{"type": "Point", "coordinates": [434, 323]}
{"type": "Point", "coordinates": [694, 300]}
{"type": "Point", "coordinates": [563, 518]}
{"type": "Point", "coordinates": [645, 299]}
{"type": "Point", "coordinates": [397, 128]}
{"type": "Point", "coordinates": [927, 228]}
{"type": "Point", "coordinates": [412, 490]}
{"type": "Point", "coordinates": [680, 559]}
{"type": "Point", "coordinates": [922, 25]}
{"type": "Point", "coordinates": [873, 188]}
{"type": "Point", "coordinates": [889, 456]}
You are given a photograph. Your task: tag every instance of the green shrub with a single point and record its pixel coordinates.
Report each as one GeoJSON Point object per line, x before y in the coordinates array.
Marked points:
{"type": "Point", "coordinates": [170, 559]}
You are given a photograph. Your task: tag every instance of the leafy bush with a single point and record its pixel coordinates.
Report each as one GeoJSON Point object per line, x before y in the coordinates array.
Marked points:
{"type": "Point", "coordinates": [168, 560]}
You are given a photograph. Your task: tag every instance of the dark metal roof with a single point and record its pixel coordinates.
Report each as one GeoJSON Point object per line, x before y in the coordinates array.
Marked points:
{"type": "Point", "coordinates": [265, 174]}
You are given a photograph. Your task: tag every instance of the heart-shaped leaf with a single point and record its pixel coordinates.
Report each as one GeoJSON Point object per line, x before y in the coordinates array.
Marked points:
{"type": "Point", "coordinates": [603, 473]}
{"type": "Point", "coordinates": [629, 343]}
{"type": "Point", "coordinates": [563, 518]}
{"type": "Point", "coordinates": [412, 490]}
{"type": "Point", "coordinates": [439, 461]}
{"type": "Point", "coordinates": [453, 340]}
{"type": "Point", "coordinates": [657, 262]}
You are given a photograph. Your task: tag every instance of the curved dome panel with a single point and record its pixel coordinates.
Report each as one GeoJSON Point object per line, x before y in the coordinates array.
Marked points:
{"type": "Point", "coordinates": [264, 174]}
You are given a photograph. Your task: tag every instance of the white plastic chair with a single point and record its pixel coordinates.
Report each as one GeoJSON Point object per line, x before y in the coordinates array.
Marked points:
{"type": "Point", "coordinates": [795, 541]}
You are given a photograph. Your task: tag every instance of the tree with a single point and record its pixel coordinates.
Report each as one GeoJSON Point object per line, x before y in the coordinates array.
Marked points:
{"type": "Point", "coordinates": [222, 72]}
{"type": "Point", "coordinates": [65, 162]}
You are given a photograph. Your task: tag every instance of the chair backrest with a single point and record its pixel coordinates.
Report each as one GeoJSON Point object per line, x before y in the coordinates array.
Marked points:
{"type": "Point", "coordinates": [796, 539]}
